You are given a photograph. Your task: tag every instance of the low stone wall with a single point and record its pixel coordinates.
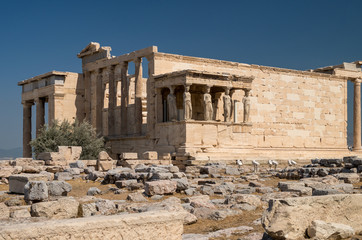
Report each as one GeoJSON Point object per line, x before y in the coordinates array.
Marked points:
{"type": "Point", "coordinates": [149, 225]}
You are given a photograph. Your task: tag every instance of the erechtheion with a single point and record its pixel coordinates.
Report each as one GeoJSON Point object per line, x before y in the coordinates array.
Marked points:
{"type": "Point", "coordinates": [201, 109]}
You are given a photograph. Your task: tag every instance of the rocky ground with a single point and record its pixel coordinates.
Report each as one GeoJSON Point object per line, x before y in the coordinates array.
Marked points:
{"type": "Point", "coordinates": [219, 201]}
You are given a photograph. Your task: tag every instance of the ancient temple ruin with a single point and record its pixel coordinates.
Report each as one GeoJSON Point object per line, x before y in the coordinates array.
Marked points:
{"type": "Point", "coordinates": [200, 109]}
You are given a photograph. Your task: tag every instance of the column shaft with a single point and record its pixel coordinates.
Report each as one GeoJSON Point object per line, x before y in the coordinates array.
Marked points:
{"type": "Point", "coordinates": [138, 96]}
{"type": "Point", "coordinates": [27, 153]}
{"type": "Point", "coordinates": [124, 98]}
{"type": "Point", "coordinates": [40, 111]}
{"type": "Point", "coordinates": [112, 102]}
{"type": "Point", "coordinates": [357, 116]}
{"type": "Point", "coordinates": [87, 96]}
{"type": "Point", "coordinates": [100, 101]}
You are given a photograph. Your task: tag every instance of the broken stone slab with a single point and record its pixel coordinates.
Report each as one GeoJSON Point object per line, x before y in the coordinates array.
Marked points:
{"type": "Point", "coordinates": [289, 218]}
{"type": "Point", "coordinates": [348, 177]}
{"type": "Point", "coordinates": [136, 197]}
{"type": "Point", "coordinates": [160, 187]}
{"type": "Point", "coordinates": [20, 212]}
{"type": "Point", "coordinates": [63, 176]}
{"type": "Point", "coordinates": [150, 155]}
{"type": "Point", "coordinates": [66, 207]}
{"type": "Point", "coordinates": [149, 225]}
{"type": "Point", "coordinates": [7, 171]}
{"type": "Point", "coordinates": [18, 182]}
{"type": "Point", "coordinates": [106, 207]}
{"type": "Point", "coordinates": [28, 162]}
{"type": "Point", "coordinates": [129, 156]}
{"type": "Point", "coordinates": [322, 230]}
{"type": "Point", "coordinates": [36, 191]}
{"type": "Point", "coordinates": [253, 200]}
{"type": "Point", "coordinates": [77, 164]}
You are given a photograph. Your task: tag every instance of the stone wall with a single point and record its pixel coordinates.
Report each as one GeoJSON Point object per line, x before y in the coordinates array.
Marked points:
{"type": "Point", "coordinates": [290, 110]}
{"type": "Point", "coordinates": [150, 225]}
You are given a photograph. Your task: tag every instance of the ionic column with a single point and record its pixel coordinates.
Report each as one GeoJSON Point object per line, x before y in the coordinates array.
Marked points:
{"type": "Point", "coordinates": [112, 101]}
{"type": "Point", "coordinates": [40, 121]}
{"type": "Point", "coordinates": [87, 96]}
{"type": "Point", "coordinates": [138, 95]}
{"type": "Point", "coordinates": [124, 98]}
{"type": "Point", "coordinates": [27, 153]}
{"type": "Point", "coordinates": [100, 101]}
{"type": "Point", "coordinates": [357, 116]}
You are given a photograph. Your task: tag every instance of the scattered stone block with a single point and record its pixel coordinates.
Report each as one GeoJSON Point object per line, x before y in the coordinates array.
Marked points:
{"type": "Point", "coordinates": [36, 191]}
{"type": "Point", "coordinates": [59, 188]}
{"type": "Point", "coordinates": [322, 230]}
{"type": "Point", "coordinates": [160, 187]}
{"type": "Point", "coordinates": [20, 212]}
{"type": "Point", "coordinates": [289, 218]}
{"type": "Point", "coordinates": [93, 191]}
{"type": "Point", "coordinates": [348, 177]}
{"type": "Point", "coordinates": [150, 155]}
{"type": "Point", "coordinates": [87, 209]}
{"type": "Point", "coordinates": [77, 164]}
{"type": "Point", "coordinates": [136, 197]}
{"type": "Point", "coordinates": [104, 162]}
{"type": "Point", "coordinates": [106, 207]}
{"type": "Point", "coordinates": [18, 182]}
{"type": "Point", "coordinates": [66, 207]}
{"type": "Point", "coordinates": [63, 176]}
{"type": "Point", "coordinates": [129, 156]}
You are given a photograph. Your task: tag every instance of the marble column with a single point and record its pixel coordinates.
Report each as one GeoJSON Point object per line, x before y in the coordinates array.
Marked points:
{"type": "Point", "coordinates": [112, 103]}
{"type": "Point", "coordinates": [357, 116]}
{"type": "Point", "coordinates": [99, 101]}
{"type": "Point", "coordinates": [40, 114]}
{"type": "Point", "coordinates": [87, 96]}
{"type": "Point", "coordinates": [124, 98]}
{"type": "Point", "coordinates": [27, 153]}
{"type": "Point", "coordinates": [138, 96]}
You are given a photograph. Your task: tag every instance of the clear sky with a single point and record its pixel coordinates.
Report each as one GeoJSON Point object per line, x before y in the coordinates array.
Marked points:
{"type": "Point", "coordinates": [40, 36]}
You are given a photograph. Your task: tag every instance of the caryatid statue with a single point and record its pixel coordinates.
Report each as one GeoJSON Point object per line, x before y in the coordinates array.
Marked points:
{"type": "Point", "coordinates": [246, 103]}
{"type": "Point", "coordinates": [187, 103]}
{"type": "Point", "coordinates": [171, 102]}
{"type": "Point", "coordinates": [227, 105]}
{"type": "Point", "coordinates": [208, 108]}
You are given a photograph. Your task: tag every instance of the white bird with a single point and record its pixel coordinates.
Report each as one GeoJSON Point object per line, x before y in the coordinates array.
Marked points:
{"type": "Point", "coordinates": [291, 163]}
{"type": "Point", "coordinates": [256, 165]}
{"type": "Point", "coordinates": [239, 162]}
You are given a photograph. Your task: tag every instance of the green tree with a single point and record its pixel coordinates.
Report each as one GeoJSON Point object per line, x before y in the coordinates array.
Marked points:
{"type": "Point", "coordinates": [69, 134]}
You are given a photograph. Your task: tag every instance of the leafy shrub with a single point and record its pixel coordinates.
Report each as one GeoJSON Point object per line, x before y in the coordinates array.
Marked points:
{"type": "Point", "coordinates": [69, 134]}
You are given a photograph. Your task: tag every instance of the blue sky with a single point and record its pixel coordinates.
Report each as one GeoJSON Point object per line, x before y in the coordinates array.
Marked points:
{"type": "Point", "coordinates": [40, 36]}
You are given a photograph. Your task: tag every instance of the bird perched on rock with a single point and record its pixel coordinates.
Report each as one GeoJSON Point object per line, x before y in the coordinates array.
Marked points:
{"type": "Point", "coordinates": [256, 165]}
{"type": "Point", "coordinates": [291, 163]}
{"type": "Point", "coordinates": [239, 162]}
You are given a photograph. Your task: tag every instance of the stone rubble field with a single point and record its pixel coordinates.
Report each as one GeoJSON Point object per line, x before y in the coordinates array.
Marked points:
{"type": "Point", "coordinates": [321, 200]}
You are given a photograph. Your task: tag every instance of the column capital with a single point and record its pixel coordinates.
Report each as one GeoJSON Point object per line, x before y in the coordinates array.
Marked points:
{"type": "Point", "coordinates": [111, 67]}
{"type": "Point", "coordinates": [137, 60]}
{"type": "Point", "coordinates": [27, 103]}
{"type": "Point", "coordinates": [357, 81]}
